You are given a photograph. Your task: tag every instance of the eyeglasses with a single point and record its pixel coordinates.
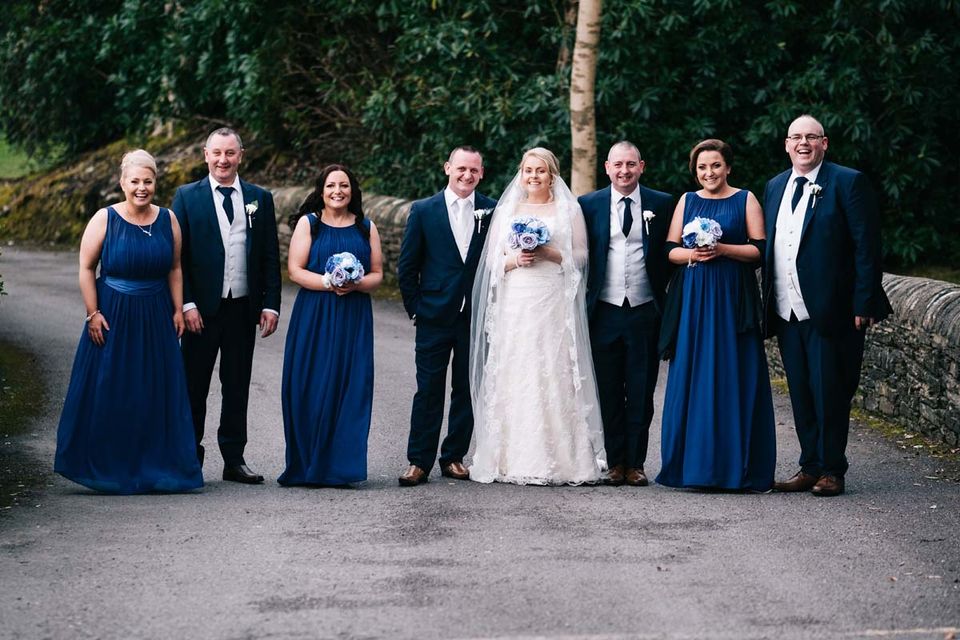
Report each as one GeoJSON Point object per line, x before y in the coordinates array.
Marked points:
{"type": "Point", "coordinates": [810, 137]}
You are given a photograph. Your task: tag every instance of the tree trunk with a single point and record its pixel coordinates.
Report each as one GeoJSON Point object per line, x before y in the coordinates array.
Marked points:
{"type": "Point", "coordinates": [583, 75]}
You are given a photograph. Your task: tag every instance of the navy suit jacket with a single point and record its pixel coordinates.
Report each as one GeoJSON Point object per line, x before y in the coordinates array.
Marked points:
{"type": "Point", "coordinates": [596, 213]}
{"type": "Point", "coordinates": [839, 258]}
{"type": "Point", "coordinates": [433, 279]}
{"type": "Point", "coordinates": [203, 254]}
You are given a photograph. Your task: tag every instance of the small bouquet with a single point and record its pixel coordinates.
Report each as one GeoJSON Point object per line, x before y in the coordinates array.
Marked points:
{"type": "Point", "coordinates": [527, 233]}
{"type": "Point", "coordinates": [701, 232]}
{"type": "Point", "coordinates": [342, 268]}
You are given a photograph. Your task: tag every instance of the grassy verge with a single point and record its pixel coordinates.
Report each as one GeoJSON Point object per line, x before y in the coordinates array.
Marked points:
{"type": "Point", "coordinates": [947, 274]}
{"type": "Point", "coordinates": [22, 398]}
{"type": "Point", "coordinates": [905, 440]}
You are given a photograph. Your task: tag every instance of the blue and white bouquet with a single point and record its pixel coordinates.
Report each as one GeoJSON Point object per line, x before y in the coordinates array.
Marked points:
{"type": "Point", "coordinates": [527, 233]}
{"type": "Point", "coordinates": [701, 232]}
{"type": "Point", "coordinates": [342, 268]}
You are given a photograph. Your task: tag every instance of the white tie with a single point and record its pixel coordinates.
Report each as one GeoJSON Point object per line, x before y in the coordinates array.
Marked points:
{"type": "Point", "coordinates": [465, 226]}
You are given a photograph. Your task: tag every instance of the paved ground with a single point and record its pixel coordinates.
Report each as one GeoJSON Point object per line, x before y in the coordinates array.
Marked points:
{"type": "Point", "coordinates": [457, 559]}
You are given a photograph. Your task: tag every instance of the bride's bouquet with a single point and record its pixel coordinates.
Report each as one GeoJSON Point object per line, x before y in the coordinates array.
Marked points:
{"type": "Point", "coordinates": [342, 268]}
{"type": "Point", "coordinates": [527, 233]}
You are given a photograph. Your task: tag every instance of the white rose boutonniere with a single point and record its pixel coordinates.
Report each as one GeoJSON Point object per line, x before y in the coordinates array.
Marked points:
{"type": "Point", "coordinates": [251, 209]}
{"type": "Point", "coordinates": [480, 214]}
{"type": "Point", "coordinates": [815, 190]}
{"type": "Point", "coordinates": [647, 217]}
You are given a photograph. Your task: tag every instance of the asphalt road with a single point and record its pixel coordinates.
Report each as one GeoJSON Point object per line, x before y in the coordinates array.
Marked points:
{"type": "Point", "coordinates": [457, 559]}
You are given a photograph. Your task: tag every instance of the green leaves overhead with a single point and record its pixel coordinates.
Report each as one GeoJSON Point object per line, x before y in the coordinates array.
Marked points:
{"type": "Point", "coordinates": [390, 86]}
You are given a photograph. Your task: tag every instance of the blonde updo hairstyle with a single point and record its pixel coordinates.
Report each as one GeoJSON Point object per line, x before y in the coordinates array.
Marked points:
{"type": "Point", "coordinates": [553, 165]}
{"type": "Point", "coordinates": [137, 158]}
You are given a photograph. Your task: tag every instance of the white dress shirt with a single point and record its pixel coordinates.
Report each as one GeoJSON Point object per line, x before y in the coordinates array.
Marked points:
{"type": "Point", "coordinates": [460, 213]}
{"type": "Point", "coordinates": [786, 285]}
{"type": "Point", "coordinates": [626, 276]}
{"type": "Point", "coordinates": [234, 237]}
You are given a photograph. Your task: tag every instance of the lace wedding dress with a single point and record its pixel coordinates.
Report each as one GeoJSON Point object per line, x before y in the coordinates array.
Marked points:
{"type": "Point", "coordinates": [537, 419]}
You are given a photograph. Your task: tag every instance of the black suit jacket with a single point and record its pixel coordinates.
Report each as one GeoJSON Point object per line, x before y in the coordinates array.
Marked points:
{"type": "Point", "coordinates": [596, 213]}
{"type": "Point", "coordinates": [433, 279]}
{"type": "Point", "coordinates": [839, 257]}
{"type": "Point", "coordinates": [203, 253]}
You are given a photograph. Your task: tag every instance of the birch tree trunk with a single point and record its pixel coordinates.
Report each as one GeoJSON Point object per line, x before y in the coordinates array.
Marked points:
{"type": "Point", "coordinates": [583, 75]}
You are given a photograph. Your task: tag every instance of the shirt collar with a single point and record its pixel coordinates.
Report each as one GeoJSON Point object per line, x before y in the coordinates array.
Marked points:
{"type": "Point", "coordinates": [634, 195]}
{"type": "Point", "coordinates": [236, 183]}
{"type": "Point", "coordinates": [450, 197]}
{"type": "Point", "coordinates": [811, 176]}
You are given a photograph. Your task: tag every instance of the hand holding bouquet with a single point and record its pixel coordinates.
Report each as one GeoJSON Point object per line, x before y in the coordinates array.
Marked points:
{"type": "Point", "coordinates": [342, 269]}
{"type": "Point", "coordinates": [701, 233]}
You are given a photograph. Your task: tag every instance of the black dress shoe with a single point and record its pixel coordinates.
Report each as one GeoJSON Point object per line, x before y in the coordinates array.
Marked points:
{"type": "Point", "coordinates": [241, 473]}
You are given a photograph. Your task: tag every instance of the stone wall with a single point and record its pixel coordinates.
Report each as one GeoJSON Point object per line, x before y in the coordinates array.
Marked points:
{"type": "Point", "coordinates": [911, 367]}
{"type": "Point", "coordinates": [911, 364]}
{"type": "Point", "coordinates": [389, 214]}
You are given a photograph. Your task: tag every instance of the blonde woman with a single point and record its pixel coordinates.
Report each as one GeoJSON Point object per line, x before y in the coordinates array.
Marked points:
{"type": "Point", "coordinates": [126, 426]}
{"type": "Point", "coordinates": [532, 381]}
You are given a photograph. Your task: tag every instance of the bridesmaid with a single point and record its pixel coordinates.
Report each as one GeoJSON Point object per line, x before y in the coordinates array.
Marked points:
{"type": "Point", "coordinates": [126, 425]}
{"type": "Point", "coordinates": [327, 391]}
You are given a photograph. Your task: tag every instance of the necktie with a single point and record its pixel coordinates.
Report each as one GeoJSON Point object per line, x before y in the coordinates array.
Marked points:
{"type": "Point", "coordinates": [227, 202]}
{"type": "Point", "coordinates": [627, 216]}
{"type": "Point", "coordinates": [797, 192]}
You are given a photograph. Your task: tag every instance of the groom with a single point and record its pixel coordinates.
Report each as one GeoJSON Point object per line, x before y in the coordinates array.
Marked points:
{"type": "Point", "coordinates": [231, 284]}
{"type": "Point", "coordinates": [822, 292]}
{"type": "Point", "coordinates": [627, 227]}
{"type": "Point", "coordinates": [438, 260]}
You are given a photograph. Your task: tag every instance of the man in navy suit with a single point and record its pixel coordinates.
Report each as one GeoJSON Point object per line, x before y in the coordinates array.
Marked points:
{"type": "Point", "coordinates": [627, 227]}
{"type": "Point", "coordinates": [438, 261]}
{"type": "Point", "coordinates": [822, 291]}
{"type": "Point", "coordinates": [231, 285]}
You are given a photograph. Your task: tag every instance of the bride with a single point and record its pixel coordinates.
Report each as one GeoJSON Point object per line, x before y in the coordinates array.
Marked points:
{"type": "Point", "coordinates": [534, 394]}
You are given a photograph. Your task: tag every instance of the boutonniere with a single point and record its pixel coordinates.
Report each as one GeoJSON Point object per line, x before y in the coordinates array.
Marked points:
{"type": "Point", "coordinates": [815, 190]}
{"type": "Point", "coordinates": [647, 217]}
{"type": "Point", "coordinates": [480, 214]}
{"type": "Point", "coordinates": [251, 209]}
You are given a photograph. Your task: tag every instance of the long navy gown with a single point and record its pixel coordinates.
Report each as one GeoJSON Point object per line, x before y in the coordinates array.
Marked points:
{"type": "Point", "coordinates": [718, 426]}
{"type": "Point", "coordinates": [126, 424]}
{"type": "Point", "coordinates": [327, 390]}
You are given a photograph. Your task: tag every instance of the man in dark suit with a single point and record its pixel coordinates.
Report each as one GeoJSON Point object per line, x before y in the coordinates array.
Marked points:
{"type": "Point", "coordinates": [231, 285]}
{"type": "Point", "coordinates": [627, 227]}
{"type": "Point", "coordinates": [822, 291]}
{"type": "Point", "coordinates": [438, 261]}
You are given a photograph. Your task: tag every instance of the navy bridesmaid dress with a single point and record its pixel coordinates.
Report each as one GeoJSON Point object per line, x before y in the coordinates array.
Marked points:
{"type": "Point", "coordinates": [126, 424]}
{"type": "Point", "coordinates": [718, 426]}
{"type": "Point", "coordinates": [327, 391]}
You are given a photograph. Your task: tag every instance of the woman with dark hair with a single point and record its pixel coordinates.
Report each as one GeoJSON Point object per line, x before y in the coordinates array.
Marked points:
{"type": "Point", "coordinates": [718, 429]}
{"type": "Point", "coordinates": [327, 391]}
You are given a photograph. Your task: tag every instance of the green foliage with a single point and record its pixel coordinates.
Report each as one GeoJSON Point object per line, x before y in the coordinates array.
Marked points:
{"type": "Point", "coordinates": [391, 86]}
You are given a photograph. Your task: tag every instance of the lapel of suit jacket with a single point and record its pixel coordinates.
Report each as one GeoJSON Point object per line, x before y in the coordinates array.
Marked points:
{"type": "Point", "coordinates": [249, 195]}
{"type": "Point", "coordinates": [602, 222]}
{"type": "Point", "coordinates": [773, 207]}
{"type": "Point", "coordinates": [476, 240]}
{"type": "Point", "coordinates": [638, 219]}
{"type": "Point", "coordinates": [209, 219]}
{"type": "Point", "coordinates": [823, 179]}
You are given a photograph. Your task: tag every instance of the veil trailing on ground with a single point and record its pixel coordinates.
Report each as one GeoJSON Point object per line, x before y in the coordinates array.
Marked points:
{"type": "Point", "coordinates": [570, 238]}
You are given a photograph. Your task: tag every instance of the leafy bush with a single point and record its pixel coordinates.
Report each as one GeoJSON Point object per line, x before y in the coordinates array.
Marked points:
{"type": "Point", "coordinates": [391, 85]}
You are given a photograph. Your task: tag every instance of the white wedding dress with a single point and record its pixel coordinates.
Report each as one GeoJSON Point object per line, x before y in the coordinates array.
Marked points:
{"type": "Point", "coordinates": [537, 419]}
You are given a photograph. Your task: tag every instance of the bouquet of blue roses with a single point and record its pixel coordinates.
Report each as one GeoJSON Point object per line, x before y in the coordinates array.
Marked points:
{"type": "Point", "coordinates": [701, 232]}
{"type": "Point", "coordinates": [342, 268]}
{"type": "Point", "coordinates": [527, 233]}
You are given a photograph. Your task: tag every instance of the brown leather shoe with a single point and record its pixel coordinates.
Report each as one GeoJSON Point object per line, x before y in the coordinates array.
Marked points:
{"type": "Point", "coordinates": [616, 476]}
{"type": "Point", "coordinates": [413, 476]}
{"type": "Point", "coordinates": [636, 478]}
{"type": "Point", "coordinates": [828, 486]}
{"type": "Point", "coordinates": [455, 470]}
{"type": "Point", "coordinates": [799, 482]}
